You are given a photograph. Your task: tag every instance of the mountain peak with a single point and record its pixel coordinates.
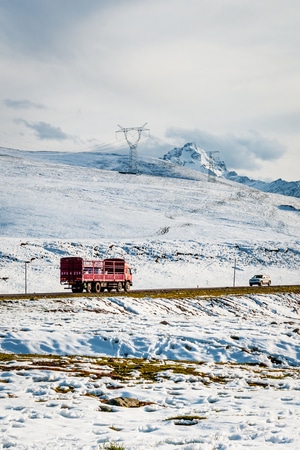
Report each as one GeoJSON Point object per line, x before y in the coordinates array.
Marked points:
{"type": "Point", "coordinates": [195, 157]}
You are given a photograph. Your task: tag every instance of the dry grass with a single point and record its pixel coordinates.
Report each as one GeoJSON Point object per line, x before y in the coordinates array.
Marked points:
{"type": "Point", "coordinates": [166, 293]}
{"type": "Point", "coordinates": [137, 370]}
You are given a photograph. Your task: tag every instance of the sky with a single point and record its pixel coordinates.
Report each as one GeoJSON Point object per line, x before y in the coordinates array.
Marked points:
{"type": "Point", "coordinates": [224, 74]}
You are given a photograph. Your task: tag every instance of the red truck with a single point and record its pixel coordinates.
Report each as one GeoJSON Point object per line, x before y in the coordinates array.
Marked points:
{"type": "Point", "coordinates": [95, 275]}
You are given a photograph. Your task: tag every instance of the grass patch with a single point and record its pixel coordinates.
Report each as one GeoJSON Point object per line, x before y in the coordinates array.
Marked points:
{"type": "Point", "coordinates": [6, 357]}
{"type": "Point", "coordinates": [139, 370]}
{"type": "Point", "coordinates": [122, 369]}
{"type": "Point", "coordinates": [184, 293]}
{"type": "Point", "coordinates": [112, 446]}
{"type": "Point", "coordinates": [187, 417]}
{"type": "Point", "coordinates": [212, 292]}
{"type": "Point", "coordinates": [186, 420]}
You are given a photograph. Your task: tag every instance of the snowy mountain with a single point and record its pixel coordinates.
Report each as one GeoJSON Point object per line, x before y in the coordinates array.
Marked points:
{"type": "Point", "coordinates": [289, 188]}
{"type": "Point", "coordinates": [194, 157]}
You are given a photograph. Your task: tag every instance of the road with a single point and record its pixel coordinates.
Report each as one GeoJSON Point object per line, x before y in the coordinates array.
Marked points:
{"type": "Point", "coordinates": [164, 293]}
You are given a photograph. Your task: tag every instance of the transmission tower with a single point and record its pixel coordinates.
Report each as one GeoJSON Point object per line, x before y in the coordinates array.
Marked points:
{"type": "Point", "coordinates": [211, 176]}
{"type": "Point", "coordinates": [133, 159]}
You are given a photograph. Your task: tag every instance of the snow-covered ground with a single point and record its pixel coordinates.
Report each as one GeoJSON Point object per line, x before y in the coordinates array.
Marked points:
{"type": "Point", "coordinates": [243, 392]}
{"type": "Point", "coordinates": [242, 388]}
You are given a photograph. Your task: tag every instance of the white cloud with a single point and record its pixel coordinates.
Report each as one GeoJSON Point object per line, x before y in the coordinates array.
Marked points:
{"type": "Point", "coordinates": [22, 104]}
{"type": "Point", "coordinates": [245, 151]}
{"type": "Point", "coordinates": [45, 130]}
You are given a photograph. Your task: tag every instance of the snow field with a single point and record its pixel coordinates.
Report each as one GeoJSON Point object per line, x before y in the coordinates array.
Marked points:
{"type": "Point", "coordinates": [246, 393]}
{"type": "Point", "coordinates": [183, 412]}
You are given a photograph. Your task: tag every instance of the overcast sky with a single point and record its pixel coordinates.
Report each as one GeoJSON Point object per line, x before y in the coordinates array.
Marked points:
{"type": "Point", "coordinates": [224, 74]}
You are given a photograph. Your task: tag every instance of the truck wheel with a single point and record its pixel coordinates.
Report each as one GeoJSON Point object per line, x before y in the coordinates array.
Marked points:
{"type": "Point", "coordinates": [97, 287]}
{"type": "Point", "coordinates": [89, 287]}
{"type": "Point", "coordinates": [119, 286]}
{"type": "Point", "coordinates": [127, 286]}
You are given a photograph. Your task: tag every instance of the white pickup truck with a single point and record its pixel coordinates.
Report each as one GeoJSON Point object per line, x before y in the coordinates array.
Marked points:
{"type": "Point", "coordinates": [260, 280]}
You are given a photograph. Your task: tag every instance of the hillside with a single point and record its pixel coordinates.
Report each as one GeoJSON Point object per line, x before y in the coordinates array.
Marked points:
{"type": "Point", "coordinates": [175, 228]}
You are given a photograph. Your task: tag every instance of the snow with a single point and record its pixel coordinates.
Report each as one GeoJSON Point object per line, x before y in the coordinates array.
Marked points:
{"type": "Point", "coordinates": [242, 388]}
{"type": "Point", "coordinates": [246, 392]}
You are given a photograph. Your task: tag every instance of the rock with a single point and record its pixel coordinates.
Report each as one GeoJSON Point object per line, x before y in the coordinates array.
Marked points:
{"type": "Point", "coordinates": [126, 402]}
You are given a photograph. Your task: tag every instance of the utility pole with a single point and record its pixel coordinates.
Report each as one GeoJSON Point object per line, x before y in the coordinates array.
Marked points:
{"type": "Point", "coordinates": [133, 159]}
{"type": "Point", "coordinates": [26, 264]}
{"type": "Point", "coordinates": [234, 270]}
{"type": "Point", "coordinates": [25, 281]}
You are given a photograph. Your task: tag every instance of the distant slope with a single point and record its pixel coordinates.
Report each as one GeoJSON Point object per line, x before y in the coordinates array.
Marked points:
{"type": "Point", "coordinates": [189, 162]}
{"type": "Point", "coordinates": [112, 161]}
{"type": "Point", "coordinates": [289, 188]}
{"type": "Point", "coordinates": [193, 156]}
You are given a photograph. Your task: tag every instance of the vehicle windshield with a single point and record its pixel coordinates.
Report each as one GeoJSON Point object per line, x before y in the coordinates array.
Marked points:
{"type": "Point", "coordinates": [257, 276]}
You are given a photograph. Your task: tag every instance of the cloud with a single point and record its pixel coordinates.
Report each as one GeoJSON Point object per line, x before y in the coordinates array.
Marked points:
{"type": "Point", "coordinates": [22, 104]}
{"type": "Point", "coordinates": [45, 130]}
{"type": "Point", "coordinates": [35, 26]}
{"type": "Point", "coordinates": [227, 67]}
{"type": "Point", "coordinates": [285, 122]}
{"type": "Point", "coordinates": [244, 151]}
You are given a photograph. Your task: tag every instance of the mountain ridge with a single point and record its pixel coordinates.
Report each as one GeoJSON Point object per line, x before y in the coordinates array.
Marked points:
{"type": "Point", "coordinates": [193, 156]}
{"type": "Point", "coordinates": [188, 162]}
